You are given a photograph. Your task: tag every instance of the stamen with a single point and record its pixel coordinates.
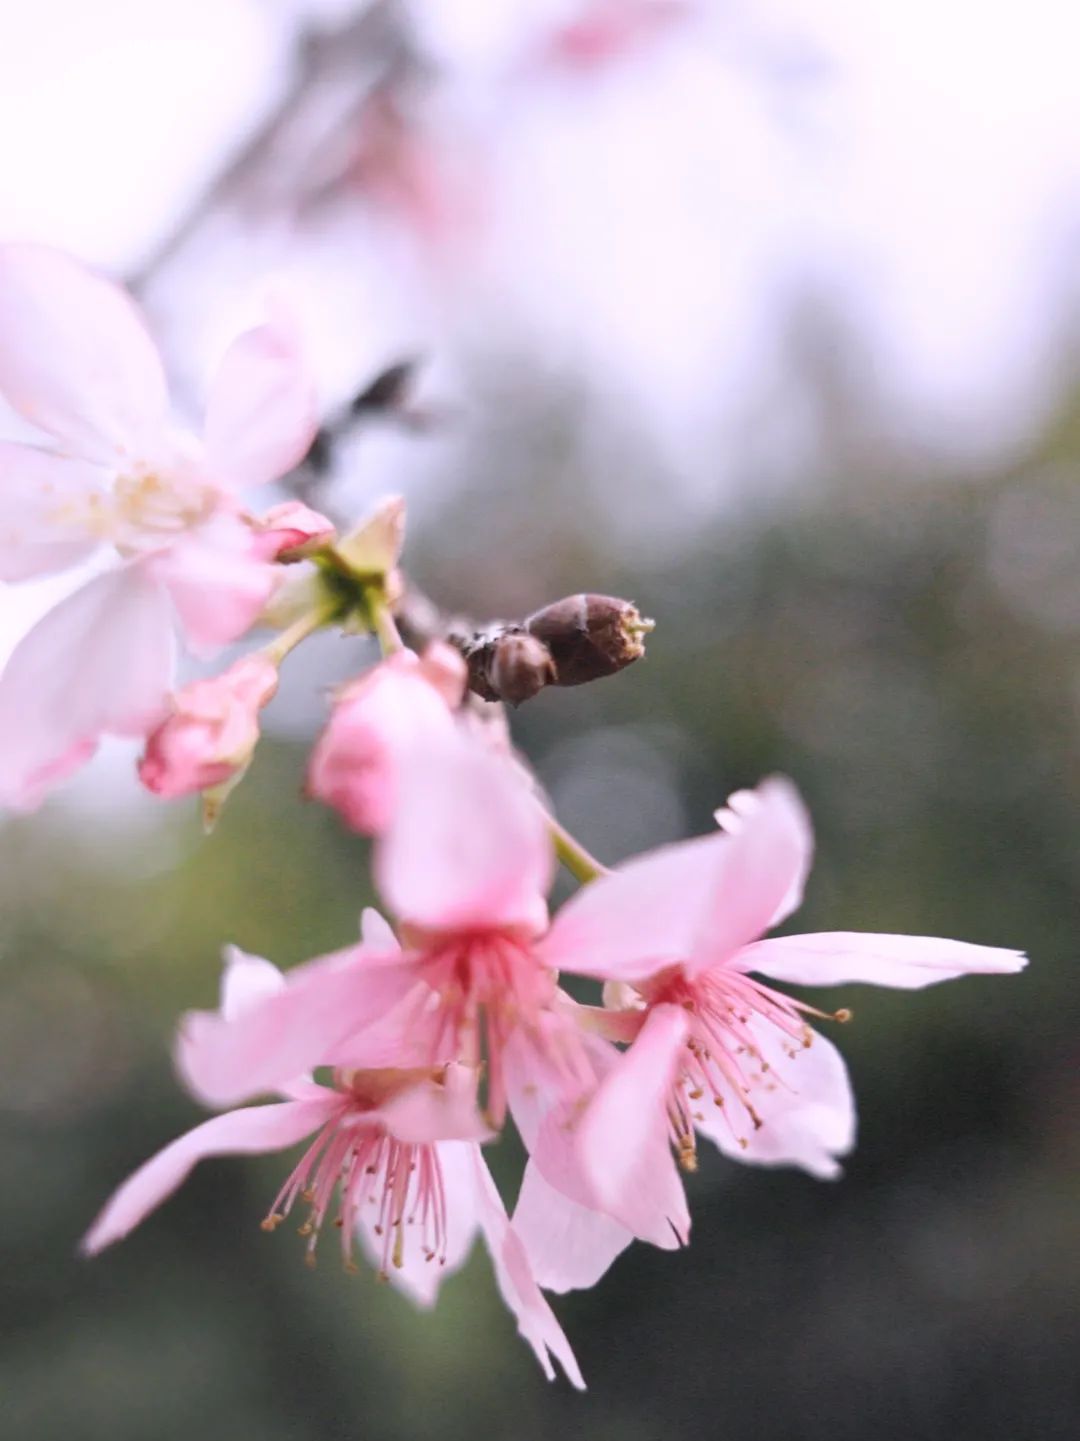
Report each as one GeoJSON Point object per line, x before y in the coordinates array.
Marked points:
{"type": "Point", "coordinates": [723, 1054]}
{"type": "Point", "coordinates": [489, 989]}
{"type": "Point", "coordinates": [354, 1157]}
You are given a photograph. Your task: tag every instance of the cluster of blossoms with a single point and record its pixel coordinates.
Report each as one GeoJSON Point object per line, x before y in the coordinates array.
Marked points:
{"type": "Point", "coordinates": [400, 1057]}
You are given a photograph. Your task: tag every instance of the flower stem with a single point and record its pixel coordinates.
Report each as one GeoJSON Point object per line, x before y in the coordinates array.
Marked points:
{"type": "Point", "coordinates": [583, 866]}
{"type": "Point", "coordinates": [385, 628]}
{"type": "Point", "coordinates": [277, 649]}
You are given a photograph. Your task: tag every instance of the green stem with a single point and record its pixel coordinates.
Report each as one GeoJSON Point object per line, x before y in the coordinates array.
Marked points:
{"type": "Point", "coordinates": [277, 649]}
{"type": "Point", "coordinates": [577, 860]}
{"type": "Point", "coordinates": [385, 628]}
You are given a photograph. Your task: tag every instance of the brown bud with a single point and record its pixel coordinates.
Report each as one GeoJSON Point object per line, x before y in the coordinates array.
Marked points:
{"type": "Point", "coordinates": [589, 636]}
{"type": "Point", "coordinates": [515, 667]}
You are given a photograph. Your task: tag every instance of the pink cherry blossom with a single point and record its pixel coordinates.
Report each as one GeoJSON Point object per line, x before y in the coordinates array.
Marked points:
{"type": "Point", "coordinates": [569, 1240]}
{"type": "Point", "coordinates": [211, 731]}
{"type": "Point", "coordinates": [77, 362]}
{"type": "Point", "coordinates": [465, 864]}
{"type": "Point", "coordinates": [397, 1148]}
{"type": "Point", "coordinates": [719, 1051]}
{"type": "Point", "coordinates": [234, 1054]}
{"type": "Point", "coordinates": [400, 705]}
{"type": "Point", "coordinates": [473, 1204]}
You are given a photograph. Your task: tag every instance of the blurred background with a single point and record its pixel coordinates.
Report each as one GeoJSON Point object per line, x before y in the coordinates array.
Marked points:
{"type": "Point", "coordinates": [765, 315]}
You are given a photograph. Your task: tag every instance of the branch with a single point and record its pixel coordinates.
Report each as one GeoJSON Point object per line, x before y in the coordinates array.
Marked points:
{"type": "Point", "coordinates": [335, 74]}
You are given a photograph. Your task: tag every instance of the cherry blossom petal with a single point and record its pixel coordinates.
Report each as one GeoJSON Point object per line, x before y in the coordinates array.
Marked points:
{"type": "Point", "coordinates": [546, 1115]}
{"type": "Point", "coordinates": [467, 846]}
{"type": "Point", "coordinates": [733, 816]}
{"type": "Point", "coordinates": [437, 1110]}
{"type": "Point", "coordinates": [257, 1129]}
{"type": "Point", "coordinates": [377, 722]}
{"type": "Point", "coordinates": [75, 357]}
{"type": "Point", "coordinates": [261, 416]}
{"type": "Point", "coordinates": [694, 903]}
{"type": "Point", "coordinates": [517, 1285]}
{"type": "Point", "coordinates": [98, 663]}
{"type": "Point", "coordinates": [445, 671]}
{"type": "Point", "coordinates": [217, 582]}
{"type": "Point", "coordinates": [761, 875]}
{"type": "Point", "coordinates": [45, 503]}
{"type": "Point", "coordinates": [417, 1277]}
{"type": "Point", "coordinates": [569, 1245]}
{"type": "Point", "coordinates": [641, 917]}
{"type": "Point", "coordinates": [410, 1032]}
{"type": "Point", "coordinates": [802, 1096]}
{"type": "Point", "coordinates": [376, 932]}
{"type": "Point", "coordinates": [832, 958]}
{"type": "Point", "coordinates": [266, 1045]}
{"type": "Point", "coordinates": [623, 1135]}
{"type": "Point", "coordinates": [570, 1237]}
{"type": "Point", "coordinates": [246, 980]}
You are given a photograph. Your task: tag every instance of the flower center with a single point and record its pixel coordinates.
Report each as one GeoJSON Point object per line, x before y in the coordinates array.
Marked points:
{"type": "Point", "coordinates": [395, 1187]}
{"type": "Point", "coordinates": [142, 509]}
{"type": "Point", "coordinates": [723, 1056]}
{"type": "Point", "coordinates": [491, 989]}
{"type": "Point", "coordinates": [148, 506]}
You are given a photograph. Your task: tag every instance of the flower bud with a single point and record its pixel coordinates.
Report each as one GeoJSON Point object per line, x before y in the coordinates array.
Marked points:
{"type": "Point", "coordinates": [511, 667]}
{"type": "Point", "coordinates": [402, 704]}
{"type": "Point", "coordinates": [291, 531]}
{"type": "Point", "coordinates": [212, 731]}
{"type": "Point", "coordinates": [589, 636]}
{"type": "Point", "coordinates": [444, 670]}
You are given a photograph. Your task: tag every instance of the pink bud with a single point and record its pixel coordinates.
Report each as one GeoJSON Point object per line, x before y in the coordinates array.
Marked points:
{"type": "Point", "coordinates": [444, 668]}
{"type": "Point", "coordinates": [402, 704]}
{"type": "Point", "coordinates": [291, 530]}
{"type": "Point", "coordinates": [212, 731]}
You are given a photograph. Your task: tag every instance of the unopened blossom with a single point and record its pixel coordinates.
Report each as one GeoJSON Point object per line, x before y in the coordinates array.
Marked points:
{"type": "Point", "coordinates": [719, 1051]}
{"type": "Point", "coordinates": [392, 1160]}
{"type": "Point", "coordinates": [404, 703]}
{"type": "Point", "coordinates": [290, 531]}
{"type": "Point", "coordinates": [115, 477]}
{"type": "Point", "coordinates": [211, 731]}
